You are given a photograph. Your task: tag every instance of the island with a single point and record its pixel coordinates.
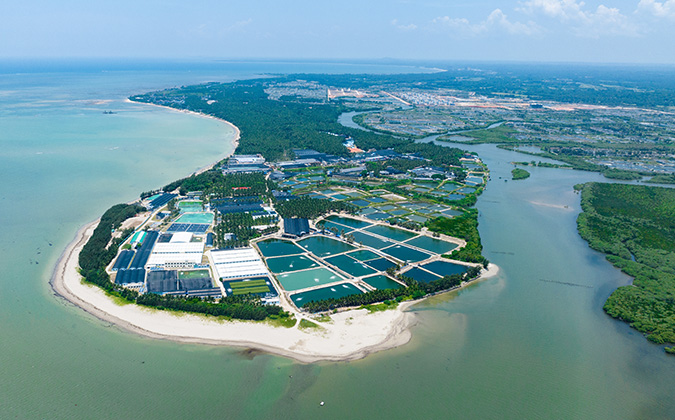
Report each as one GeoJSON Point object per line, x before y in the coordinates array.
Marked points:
{"type": "Point", "coordinates": [310, 242]}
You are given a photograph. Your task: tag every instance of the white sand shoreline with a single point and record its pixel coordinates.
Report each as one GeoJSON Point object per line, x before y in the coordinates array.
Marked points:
{"type": "Point", "coordinates": [351, 334]}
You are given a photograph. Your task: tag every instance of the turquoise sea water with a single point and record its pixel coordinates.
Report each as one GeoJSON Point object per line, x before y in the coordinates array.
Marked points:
{"type": "Point", "coordinates": [513, 346]}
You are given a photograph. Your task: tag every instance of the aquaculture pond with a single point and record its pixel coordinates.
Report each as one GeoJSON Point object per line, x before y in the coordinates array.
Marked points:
{"type": "Point", "coordinates": [350, 265]}
{"type": "Point", "coordinates": [308, 278]}
{"type": "Point", "coordinates": [187, 206]}
{"type": "Point", "coordinates": [437, 246]}
{"type": "Point", "coordinates": [196, 218]}
{"type": "Point", "coordinates": [363, 255]}
{"type": "Point", "coordinates": [378, 216]}
{"type": "Point", "coordinates": [443, 268]}
{"type": "Point", "coordinates": [336, 291]}
{"type": "Point", "coordinates": [329, 225]}
{"type": "Point", "coordinates": [382, 282]}
{"type": "Point", "coordinates": [381, 264]}
{"type": "Point", "coordinates": [323, 246]}
{"type": "Point", "coordinates": [420, 275]}
{"type": "Point", "coordinates": [405, 253]}
{"type": "Point", "coordinates": [390, 232]}
{"type": "Point", "coordinates": [278, 247]}
{"type": "Point", "coordinates": [290, 263]}
{"type": "Point", "coordinates": [347, 221]}
{"type": "Point", "coordinates": [370, 240]}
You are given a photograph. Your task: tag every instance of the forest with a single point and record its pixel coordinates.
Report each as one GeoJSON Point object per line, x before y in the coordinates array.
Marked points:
{"type": "Point", "coordinates": [465, 227]}
{"type": "Point", "coordinates": [273, 128]}
{"type": "Point", "coordinates": [311, 208]}
{"type": "Point", "coordinates": [635, 226]}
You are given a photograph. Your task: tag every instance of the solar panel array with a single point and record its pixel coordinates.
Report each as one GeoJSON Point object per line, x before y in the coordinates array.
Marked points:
{"type": "Point", "coordinates": [188, 227]}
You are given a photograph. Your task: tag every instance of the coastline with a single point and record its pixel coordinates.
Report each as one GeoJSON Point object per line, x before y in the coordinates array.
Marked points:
{"type": "Point", "coordinates": [235, 140]}
{"type": "Point", "coordinates": [350, 335]}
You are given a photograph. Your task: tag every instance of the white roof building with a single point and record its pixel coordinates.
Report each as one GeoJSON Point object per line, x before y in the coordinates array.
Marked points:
{"type": "Point", "coordinates": [176, 254]}
{"type": "Point", "coordinates": [235, 263]}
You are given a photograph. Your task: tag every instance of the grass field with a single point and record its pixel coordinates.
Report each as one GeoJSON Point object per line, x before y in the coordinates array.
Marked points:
{"type": "Point", "coordinates": [196, 274]}
{"type": "Point", "coordinates": [249, 286]}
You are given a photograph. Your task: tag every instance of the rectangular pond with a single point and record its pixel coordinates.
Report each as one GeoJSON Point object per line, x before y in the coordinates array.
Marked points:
{"type": "Point", "coordinates": [406, 254]}
{"type": "Point", "coordinates": [331, 292]}
{"type": "Point", "coordinates": [437, 246]}
{"type": "Point", "coordinates": [420, 275]}
{"type": "Point", "coordinates": [363, 255]}
{"type": "Point", "coordinates": [391, 232]}
{"type": "Point", "coordinates": [370, 240]}
{"type": "Point", "coordinates": [348, 221]}
{"type": "Point", "coordinates": [308, 278]}
{"type": "Point", "coordinates": [381, 264]}
{"type": "Point", "coordinates": [196, 218]}
{"type": "Point", "coordinates": [323, 246]}
{"type": "Point", "coordinates": [278, 247]}
{"type": "Point", "coordinates": [290, 263]}
{"type": "Point", "coordinates": [382, 282]}
{"type": "Point", "coordinates": [444, 268]}
{"type": "Point", "coordinates": [350, 265]}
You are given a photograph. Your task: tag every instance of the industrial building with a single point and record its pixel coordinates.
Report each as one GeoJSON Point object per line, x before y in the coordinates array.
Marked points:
{"type": "Point", "coordinates": [238, 263]}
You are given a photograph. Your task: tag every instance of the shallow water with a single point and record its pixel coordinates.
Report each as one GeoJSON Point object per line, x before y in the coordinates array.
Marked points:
{"type": "Point", "coordinates": [512, 346]}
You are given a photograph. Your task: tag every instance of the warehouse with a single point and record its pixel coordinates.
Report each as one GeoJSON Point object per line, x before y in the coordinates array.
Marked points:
{"type": "Point", "coordinates": [238, 263]}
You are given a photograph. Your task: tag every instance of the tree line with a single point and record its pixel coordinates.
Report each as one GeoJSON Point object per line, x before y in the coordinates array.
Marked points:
{"type": "Point", "coordinates": [635, 226]}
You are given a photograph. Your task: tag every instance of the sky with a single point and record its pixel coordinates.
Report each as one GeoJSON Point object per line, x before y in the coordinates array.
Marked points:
{"type": "Point", "coordinates": [611, 31]}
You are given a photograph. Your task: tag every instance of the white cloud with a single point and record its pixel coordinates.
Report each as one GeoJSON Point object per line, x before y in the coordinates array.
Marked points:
{"type": "Point", "coordinates": [496, 20]}
{"type": "Point", "coordinates": [408, 27]}
{"type": "Point", "coordinates": [586, 23]}
{"type": "Point", "coordinates": [664, 9]}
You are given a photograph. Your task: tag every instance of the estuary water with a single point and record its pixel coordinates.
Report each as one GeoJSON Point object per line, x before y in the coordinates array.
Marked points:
{"type": "Point", "coordinates": [532, 342]}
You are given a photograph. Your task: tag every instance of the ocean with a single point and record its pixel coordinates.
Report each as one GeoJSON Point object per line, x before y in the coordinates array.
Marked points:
{"type": "Point", "coordinates": [520, 345]}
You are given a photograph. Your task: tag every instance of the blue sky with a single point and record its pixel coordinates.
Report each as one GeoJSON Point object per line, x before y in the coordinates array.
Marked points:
{"type": "Point", "coordinates": [626, 31]}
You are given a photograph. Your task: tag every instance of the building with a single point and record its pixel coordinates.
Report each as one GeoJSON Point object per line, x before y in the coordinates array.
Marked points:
{"type": "Point", "coordinates": [247, 159]}
{"type": "Point", "coordinates": [296, 227]}
{"type": "Point", "coordinates": [238, 263]}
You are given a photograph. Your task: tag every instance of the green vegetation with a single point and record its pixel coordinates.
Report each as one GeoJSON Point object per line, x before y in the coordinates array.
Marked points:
{"type": "Point", "coordinates": [465, 227]}
{"type": "Point", "coordinates": [290, 124]}
{"type": "Point", "coordinates": [662, 179]}
{"type": "Point", "coordinates": [241, 226]}
{"type": "Point", "coordinates": [499, 134]}
{"type": "Point", "coordinates": [214, 183]}
{"type": "Point", "coordinates": [635, 226]}
{"type": "Point", "coordinates": [307, 324]}
{"type": "Point", "coordinates": [245, 307]}
{"type": "Point", "coordinates": [101, 248]}
{"type": "Point", "coordinates": [379, 307]}
{"type": "Point", "coordinates": [621, 174]}
{"type": "Point", "coordinates": [670, 350]}
{"type": "Point", "coordinates": [311, 208]}
{"type": "Point", "coordinates": [519, 173]}
{"type": "Point", "coordinates": [284, 320]}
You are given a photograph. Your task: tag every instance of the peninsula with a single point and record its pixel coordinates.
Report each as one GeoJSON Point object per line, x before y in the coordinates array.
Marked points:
{"type": "Point", "coordinates": [310, 243]}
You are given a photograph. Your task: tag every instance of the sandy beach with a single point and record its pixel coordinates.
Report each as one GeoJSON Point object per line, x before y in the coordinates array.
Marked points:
{"type": "Point", "coordinates": [349, 335]}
